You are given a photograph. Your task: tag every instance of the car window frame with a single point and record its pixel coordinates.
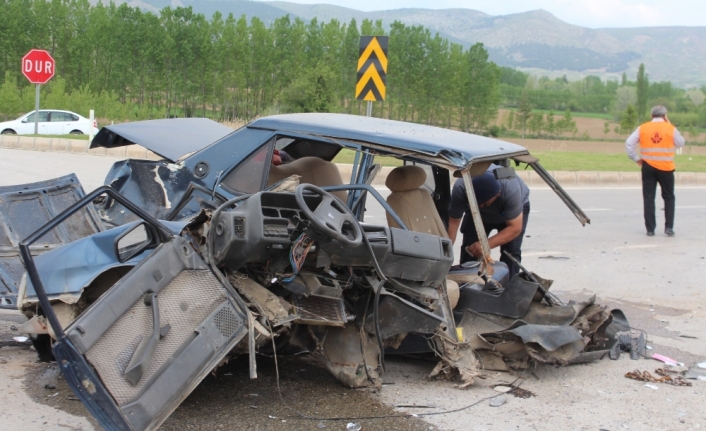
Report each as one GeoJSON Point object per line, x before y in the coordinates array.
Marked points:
{"type": "Point", "coordinates": [27, 118]}
{"type": "Point", "coordinates": [53, 113]}
{"type": "Point", "coordinates": [265, 172]}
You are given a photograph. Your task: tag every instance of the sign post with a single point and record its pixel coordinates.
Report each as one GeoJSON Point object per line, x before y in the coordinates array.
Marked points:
{"type": "Point", "coordinates": [38, 68]}
{"type": "Point", "coordinates": [372, 70]}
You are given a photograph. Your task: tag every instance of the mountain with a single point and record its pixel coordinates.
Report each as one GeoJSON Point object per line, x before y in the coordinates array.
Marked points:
{"type": "Point", "coordinates": [534, 41]}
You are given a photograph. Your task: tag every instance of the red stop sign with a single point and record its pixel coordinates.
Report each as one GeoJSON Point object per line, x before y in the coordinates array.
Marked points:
{"type": "Point", "coordinates": [38, 66]}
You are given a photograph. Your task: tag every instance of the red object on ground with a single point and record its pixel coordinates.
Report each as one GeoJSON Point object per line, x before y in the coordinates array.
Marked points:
{"type": "Point", "coordinates": [38, 66]}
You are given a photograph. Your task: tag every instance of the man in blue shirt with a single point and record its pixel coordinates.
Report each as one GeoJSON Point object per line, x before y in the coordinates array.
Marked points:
{"type": "Point", "coordinates": [504, 206]}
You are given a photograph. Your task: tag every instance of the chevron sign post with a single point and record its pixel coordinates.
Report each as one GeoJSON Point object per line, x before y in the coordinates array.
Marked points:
{"type": "Point", "coordinates": [372, 70]}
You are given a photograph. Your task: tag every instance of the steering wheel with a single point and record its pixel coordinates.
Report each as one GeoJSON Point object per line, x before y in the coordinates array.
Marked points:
{"type": "Point", "coordinates": [330, 215]}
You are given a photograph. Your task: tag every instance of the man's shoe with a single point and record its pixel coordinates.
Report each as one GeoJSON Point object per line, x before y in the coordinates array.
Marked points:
{"type": "Point", "coordinates": [668, 232]}
{"type": "Point", "coordinates": [650, 234]}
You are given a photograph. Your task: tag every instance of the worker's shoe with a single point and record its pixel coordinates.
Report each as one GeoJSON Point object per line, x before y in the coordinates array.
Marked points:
{"type": "Point", "coordinates": [650, 233]}
{"type": "Point", "coordinates": [668, 231]}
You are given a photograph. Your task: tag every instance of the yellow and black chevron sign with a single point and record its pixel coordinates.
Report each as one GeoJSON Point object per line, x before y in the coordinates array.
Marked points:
{"type": "Point", "coordinates": [372, 68]}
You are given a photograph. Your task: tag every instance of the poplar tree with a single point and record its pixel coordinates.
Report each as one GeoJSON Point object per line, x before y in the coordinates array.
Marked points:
{"type": "Point", "coordinates": [643, 86]}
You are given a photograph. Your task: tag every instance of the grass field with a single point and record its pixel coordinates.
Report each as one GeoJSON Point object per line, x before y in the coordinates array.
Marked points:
{"type": "Point", "coordinates": [77, 137]}
{"type": "Point", "coordinates": [594, 115]}
{"type": "Point", "coordinates": [570, 161]}
{"type": "Point", "coordinates": [565, 161]}
{"type": "Point", "coordinates": [594, 125]}
{"type": "Point", "coordinates": [347, 156]}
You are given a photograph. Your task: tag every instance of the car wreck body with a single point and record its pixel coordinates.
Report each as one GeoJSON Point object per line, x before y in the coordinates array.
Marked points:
{"type": "Point", "coordinates": [215, 252]}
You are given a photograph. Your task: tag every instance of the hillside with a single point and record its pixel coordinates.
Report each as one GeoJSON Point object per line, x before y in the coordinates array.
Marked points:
{"type": "Point", "coordinates": [536, 41]}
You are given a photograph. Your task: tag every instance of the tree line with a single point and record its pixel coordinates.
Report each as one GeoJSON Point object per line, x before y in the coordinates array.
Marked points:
{"type": "Point", "coordinates": [625, 101]}
{"type": "Point", "coordinates": [131, 64]}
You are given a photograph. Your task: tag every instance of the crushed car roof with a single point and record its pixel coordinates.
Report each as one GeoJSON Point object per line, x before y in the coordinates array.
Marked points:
{"type": "Point", "coordinates": [459, 147]}
{"type": "Point", "coordinates": [170, 138]}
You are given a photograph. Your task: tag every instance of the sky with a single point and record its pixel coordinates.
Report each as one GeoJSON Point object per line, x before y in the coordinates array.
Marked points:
{"type": "Point", "coordinates": [586, 13]}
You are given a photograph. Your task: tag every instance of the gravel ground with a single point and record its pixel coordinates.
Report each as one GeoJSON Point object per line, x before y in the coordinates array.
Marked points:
{"type": "Point", "coordinates": [37, 397]}
{"type": "Point", "coordinates": [587, 397]}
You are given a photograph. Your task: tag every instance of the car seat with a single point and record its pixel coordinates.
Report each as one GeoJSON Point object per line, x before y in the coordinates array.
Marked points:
{"type": "Point", "coordinates": [313, 170]}
{"type": "Point", "coordinates": [416, 209]}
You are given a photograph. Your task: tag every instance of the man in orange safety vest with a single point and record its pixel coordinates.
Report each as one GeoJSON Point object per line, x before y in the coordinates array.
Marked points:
{"type": "Point", "coordinates": [657, 140]}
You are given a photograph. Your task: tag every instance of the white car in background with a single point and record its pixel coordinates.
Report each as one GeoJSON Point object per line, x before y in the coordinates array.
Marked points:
{"type": "Point", "coordinates": [51, 122]}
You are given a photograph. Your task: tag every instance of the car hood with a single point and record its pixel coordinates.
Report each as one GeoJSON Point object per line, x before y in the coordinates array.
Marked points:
{"type": "Point", "coordinates": [170, 138]}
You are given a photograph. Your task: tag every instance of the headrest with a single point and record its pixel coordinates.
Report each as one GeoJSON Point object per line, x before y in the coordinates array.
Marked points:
{"type": "Point", "coordinates": [404, 178]}
{"type": "Point", "coordinates": [300, 165]}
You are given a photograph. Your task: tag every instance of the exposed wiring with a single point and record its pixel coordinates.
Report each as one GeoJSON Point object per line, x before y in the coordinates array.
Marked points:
{"type": "Point", "coordinates": [363, 340]}
{"type": "Point", "coordinates": [297, 255]}
{"type": "Point", "coordinates": [376, 316]}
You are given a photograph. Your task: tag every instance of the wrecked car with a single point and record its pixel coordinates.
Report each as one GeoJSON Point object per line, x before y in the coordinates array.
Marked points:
{"type": "Point", "coordinates": [142, 287]}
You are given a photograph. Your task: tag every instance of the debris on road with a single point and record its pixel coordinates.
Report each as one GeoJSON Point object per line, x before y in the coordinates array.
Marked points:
{"type": "Point", "coordinates": [667, 360]}
{"type": "Point", "coordinates": [633, 342]}
{"type": "Point", "coordinates": [695, 373]}
{"type": "Point", "coordinates": [645, 376]}
{"type": "Point", "coordinates": [518, 392]}
{"type": "Point", "coordinates": [513, 389]}
{"type": "Point", "coordinates": [498, 401]}
{"type": "Point", "coordinates": [352, 426]}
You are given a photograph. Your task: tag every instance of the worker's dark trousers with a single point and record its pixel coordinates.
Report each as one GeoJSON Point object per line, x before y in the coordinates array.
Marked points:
{"type": "Point", "coordinates": [513, 247]}
{"type": "Point", "coordinates": [650, 177]}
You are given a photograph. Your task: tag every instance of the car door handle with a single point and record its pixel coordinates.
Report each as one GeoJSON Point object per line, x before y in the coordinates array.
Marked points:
{"type": "Point", "coordinates": [141, 358]}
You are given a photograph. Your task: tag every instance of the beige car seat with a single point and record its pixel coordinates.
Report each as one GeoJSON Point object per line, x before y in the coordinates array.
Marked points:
{"type": "Point", "coordinates": [416, 209]}
{"type": "Point", "coordinates": [312, 170]}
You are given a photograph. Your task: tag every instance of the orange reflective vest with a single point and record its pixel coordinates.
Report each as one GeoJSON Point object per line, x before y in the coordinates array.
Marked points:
{"type": "Point", "coordinates": [657, 145]}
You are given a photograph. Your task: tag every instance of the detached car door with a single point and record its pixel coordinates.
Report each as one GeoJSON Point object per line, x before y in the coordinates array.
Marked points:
{"type": "Point", "coordinates": [135, 354]}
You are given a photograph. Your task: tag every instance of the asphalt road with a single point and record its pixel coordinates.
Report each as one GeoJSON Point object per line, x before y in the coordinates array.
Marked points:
{"type": "Point", "coordinates": [659, 282]}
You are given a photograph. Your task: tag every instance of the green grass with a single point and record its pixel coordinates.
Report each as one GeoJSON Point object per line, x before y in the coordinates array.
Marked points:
{"type": "Point", "coordinates": [347, 156]}
{"type": "Point", "coordinates": [559, 112]}
{"type": "Point", "coordinates": [77, 137]}
{"type": "Point", "coordinates": [598, 115]}
{"type": "Point", "coordinates": [568, 161]}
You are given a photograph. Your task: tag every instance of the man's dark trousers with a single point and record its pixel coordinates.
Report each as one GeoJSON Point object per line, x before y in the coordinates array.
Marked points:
{"type": "Point", "coordinates": [650, 177]}
{"type": "Point", "coordinates": [513, 247]}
